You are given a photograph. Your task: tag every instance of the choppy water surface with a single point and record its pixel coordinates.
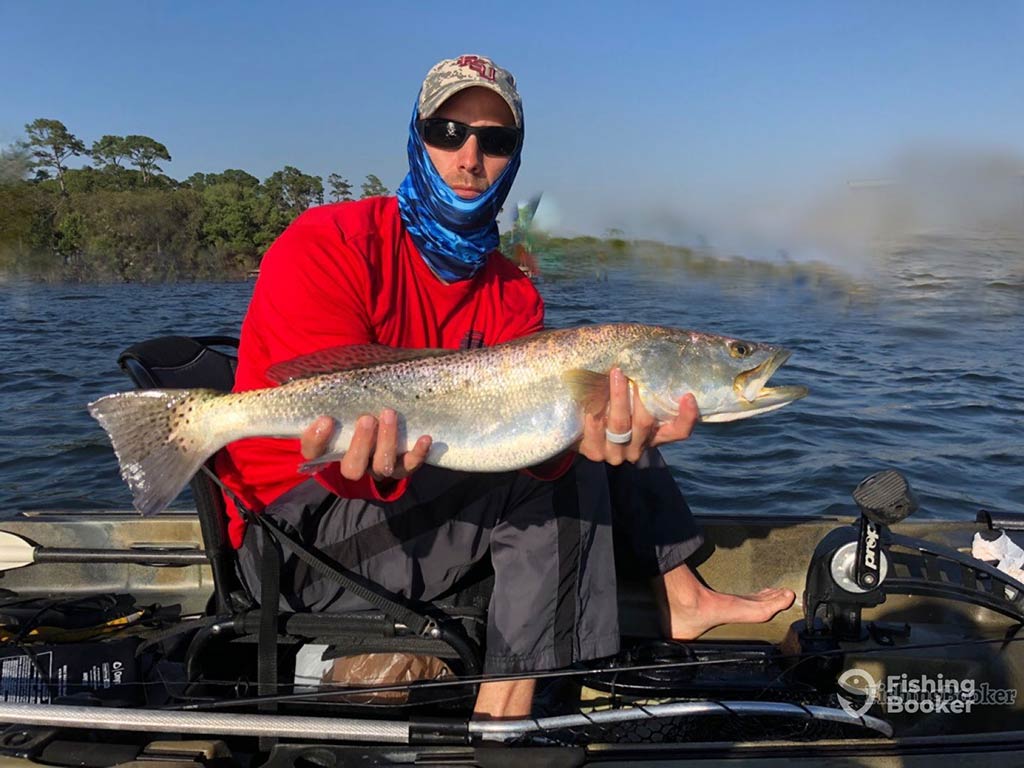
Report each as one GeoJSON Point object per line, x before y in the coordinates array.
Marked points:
{"type": "Point", "coordinates": [918, 370]}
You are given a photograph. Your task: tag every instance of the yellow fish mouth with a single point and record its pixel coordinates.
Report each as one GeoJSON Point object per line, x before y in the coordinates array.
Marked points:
{"type": "Point", "coordinates": [750, 385]}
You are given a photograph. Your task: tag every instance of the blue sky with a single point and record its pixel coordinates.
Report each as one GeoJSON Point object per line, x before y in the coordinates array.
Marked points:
{"type": "Point", "coordinates": [664, 119]}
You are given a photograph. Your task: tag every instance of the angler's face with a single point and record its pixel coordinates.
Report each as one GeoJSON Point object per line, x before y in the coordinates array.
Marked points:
{"type": "Point", "coordinates": [468, 170]}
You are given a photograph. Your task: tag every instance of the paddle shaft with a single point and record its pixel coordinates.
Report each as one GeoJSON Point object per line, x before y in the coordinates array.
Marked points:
{"type": "Point", "coordinates": [136, 556]}
{"type": "Point", "coordinates": [17, 552]}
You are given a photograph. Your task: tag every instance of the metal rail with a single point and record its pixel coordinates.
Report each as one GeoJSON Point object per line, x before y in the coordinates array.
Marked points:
{"type": "Point", "coordinates": [391, 731]}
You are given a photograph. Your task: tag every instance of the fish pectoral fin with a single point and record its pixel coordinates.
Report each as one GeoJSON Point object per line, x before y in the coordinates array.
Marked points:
{"type": "Point", "coordinates": [343, 358]}
{"type": "Point", "coordinates": [589, 389]}
{"type": "Point", "coordinates": [314, 465]}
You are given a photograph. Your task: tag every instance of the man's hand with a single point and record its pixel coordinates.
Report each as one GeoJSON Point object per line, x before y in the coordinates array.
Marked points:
{"type": "Point", "coordinates": [618, 419]}
{"type": "Point", "coordinates": [374, 447]}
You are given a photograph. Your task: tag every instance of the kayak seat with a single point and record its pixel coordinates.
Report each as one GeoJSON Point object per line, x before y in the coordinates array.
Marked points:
{"type": "Point", "coordinates": [183, 362]}
{"type": "Point", "coordinates": [210, 361]}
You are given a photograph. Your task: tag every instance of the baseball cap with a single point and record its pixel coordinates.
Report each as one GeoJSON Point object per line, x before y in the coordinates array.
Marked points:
{"type": "Point", "coordinates": [448, 77]}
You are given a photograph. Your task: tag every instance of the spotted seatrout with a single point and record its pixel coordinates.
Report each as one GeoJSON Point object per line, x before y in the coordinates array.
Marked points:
{"type": "Point", "coordinates": [492, 409]}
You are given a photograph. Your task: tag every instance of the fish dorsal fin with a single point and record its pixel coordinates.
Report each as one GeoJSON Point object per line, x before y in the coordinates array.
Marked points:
{"type": "Point", "coordinates": [344, 358]}
{"type": "Point", "coordinates": [589, 389]}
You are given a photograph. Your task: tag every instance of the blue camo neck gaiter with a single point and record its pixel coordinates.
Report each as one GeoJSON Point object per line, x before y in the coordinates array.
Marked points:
{"type": "Point", "coordinates": [452, 234]}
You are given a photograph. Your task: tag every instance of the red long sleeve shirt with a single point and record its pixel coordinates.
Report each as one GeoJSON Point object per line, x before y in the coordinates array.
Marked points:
{"type": "Point", "coordinates": [350, 274]}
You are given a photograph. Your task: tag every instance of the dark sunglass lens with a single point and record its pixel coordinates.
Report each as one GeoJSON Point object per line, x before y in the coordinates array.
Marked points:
{"type": "Point", "coordinates": [445, 134]}
{"type": "Point", "coordinates": [499, 141]}
{"type": "Point", "coordinates": [450, 135]}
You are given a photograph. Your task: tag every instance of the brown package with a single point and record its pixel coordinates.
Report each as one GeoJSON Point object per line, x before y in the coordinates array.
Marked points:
{"type": "Point", "coordinates": [383, 669]}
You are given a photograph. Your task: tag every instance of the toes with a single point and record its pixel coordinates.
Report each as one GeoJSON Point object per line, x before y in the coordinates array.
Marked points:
{"type": "Point", "coordinates": [775, 593]}
{"type": "Point", "coordinates": [781, 600]}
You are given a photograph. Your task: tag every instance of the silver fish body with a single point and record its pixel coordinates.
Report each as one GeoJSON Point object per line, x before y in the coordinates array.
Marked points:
{"type": "Point", "coordinates": [491, 409]}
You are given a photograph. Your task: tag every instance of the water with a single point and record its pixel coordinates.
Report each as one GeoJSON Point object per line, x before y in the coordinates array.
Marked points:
{"type": "Point", "coordinates": [919, 370]}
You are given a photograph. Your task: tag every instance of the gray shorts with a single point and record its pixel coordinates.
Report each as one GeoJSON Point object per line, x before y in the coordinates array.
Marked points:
{"type": "Point", "coordinates": [550, 544]}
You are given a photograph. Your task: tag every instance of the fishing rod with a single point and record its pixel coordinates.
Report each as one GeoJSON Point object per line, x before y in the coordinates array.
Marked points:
{"type": "Point", "coordinates": [431, 731]}
{"type": "Point", "coordinates": [341, 690]}
{"type": "Point", "coordinates": [336, 690]}
{"type": "Point", "coordinates": [17, 552]}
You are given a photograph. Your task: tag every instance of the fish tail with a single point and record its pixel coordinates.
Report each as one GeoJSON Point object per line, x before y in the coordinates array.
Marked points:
{"type": "Point", "coordinates": [161, 437]}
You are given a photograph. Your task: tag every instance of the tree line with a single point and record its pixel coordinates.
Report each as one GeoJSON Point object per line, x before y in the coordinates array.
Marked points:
{"type": "Point", "coordinates": [120, 217]}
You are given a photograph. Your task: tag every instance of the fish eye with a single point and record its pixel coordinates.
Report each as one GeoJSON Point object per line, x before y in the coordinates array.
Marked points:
{"type": "Point", "coordinates": [740, 349]}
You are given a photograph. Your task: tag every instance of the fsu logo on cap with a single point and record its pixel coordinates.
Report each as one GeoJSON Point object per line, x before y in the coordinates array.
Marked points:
{"type": "Point", "coordinates": [482, 67]}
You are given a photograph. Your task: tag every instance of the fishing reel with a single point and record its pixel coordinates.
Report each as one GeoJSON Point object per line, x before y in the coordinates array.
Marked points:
{"type": "Point", "coordinates": [855, 566]}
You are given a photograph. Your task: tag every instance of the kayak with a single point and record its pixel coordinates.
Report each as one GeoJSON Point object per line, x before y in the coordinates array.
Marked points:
{"type": "Point", "coordinates": [900, 646]}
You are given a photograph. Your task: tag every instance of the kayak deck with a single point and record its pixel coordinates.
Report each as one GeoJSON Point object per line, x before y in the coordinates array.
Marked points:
{"type": "Point", "coordinates": [740, 555]}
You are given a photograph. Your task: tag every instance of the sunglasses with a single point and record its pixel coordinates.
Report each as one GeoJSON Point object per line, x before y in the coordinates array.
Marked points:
{"type": "Point", "coordinates": [496, 140]}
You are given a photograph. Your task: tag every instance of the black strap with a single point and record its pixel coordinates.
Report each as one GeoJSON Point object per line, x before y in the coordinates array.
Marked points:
{"type": "Point", "coordinates": [415, 621]}
{"type": "Point", "coordinates": [266, 645]}
{"type": "Point", "coordinates": [270, 592]}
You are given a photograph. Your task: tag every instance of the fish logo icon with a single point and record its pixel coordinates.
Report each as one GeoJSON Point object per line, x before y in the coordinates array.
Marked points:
{"type": "Point", "coordinates": [863, 688]}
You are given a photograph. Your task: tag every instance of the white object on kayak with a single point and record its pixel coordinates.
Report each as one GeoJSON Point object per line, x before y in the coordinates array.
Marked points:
{"type": "Point", "coordinates": [1009, 556]}
{"type": "Point", "coordinates": [310, 667]}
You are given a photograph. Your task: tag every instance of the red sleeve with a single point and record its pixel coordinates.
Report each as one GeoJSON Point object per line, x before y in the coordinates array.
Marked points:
{"type": "Point", "coordinates": [314, 292]}
{"type": "Point", "coordinates": [523, 306]}
{"type": "Point", "coordinates": [527, 323]}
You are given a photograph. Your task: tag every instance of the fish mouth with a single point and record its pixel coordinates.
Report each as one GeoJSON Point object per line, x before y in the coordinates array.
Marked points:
{"type": "Point", "coordinates": [752, 394]}
{"type": "Point", "coordinates": [749, 385]}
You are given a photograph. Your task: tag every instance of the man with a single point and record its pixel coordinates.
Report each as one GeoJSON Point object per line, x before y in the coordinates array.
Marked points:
{"type": "Point", "coordinates": [422, 270]}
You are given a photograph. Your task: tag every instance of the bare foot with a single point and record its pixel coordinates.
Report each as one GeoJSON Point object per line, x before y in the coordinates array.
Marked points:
{"type": "Point", "coordinates": [693, 608]}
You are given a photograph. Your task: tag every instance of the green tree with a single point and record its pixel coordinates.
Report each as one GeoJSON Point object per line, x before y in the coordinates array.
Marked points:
{"type": "Point", "coordinates": [340, 188]}
{"type": "Point", "coordinates": [235, 216]}
{"type": "Point", "coordinates": [144, 153]}
{"type": "Point", "coordinates": [112, 178]}
{"type": "Point", "coordinates": [374, 187]}
{"type": "Point", "coordinates": [110, 150]}
{"type": "Point", "coordinates": [196, 181]}
{"type": "Point", "coordinates": [200, 181]}
{"type": "Point", "coordinates": [144, 234]}
{"type": "Point", "coordinates": [233, 176]}
{"type": "Point", "coordinates": [26, 229]}
{"type": "Point", "coordinates": [69, 236]}
{"type": "Point", "coordinates": [293, 191]}
{"type": "Point", "coordinates": [51, 144]}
